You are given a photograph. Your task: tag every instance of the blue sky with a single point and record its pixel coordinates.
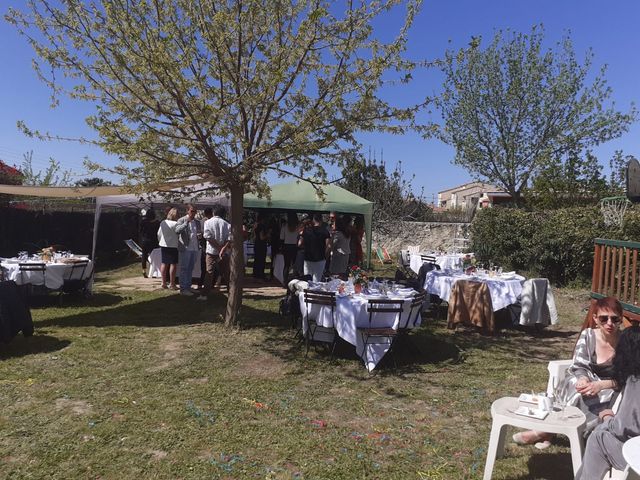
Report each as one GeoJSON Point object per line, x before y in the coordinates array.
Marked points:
{"type": "Point", "coordinates": [609, 28]}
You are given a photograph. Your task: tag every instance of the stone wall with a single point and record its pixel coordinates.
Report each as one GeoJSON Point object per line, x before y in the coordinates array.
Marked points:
{"type": "Point", "coordinates": [429, 236]}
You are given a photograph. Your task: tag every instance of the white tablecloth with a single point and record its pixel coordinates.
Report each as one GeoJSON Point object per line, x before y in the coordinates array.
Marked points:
{"type": "Point", "coordinates": [448, 261]}
{"type": "Point", "coordinates": [351, 314]}
{"type": "Point", "coordinates": [278, 267]}
{"type": "Point", "coordinates": [54, 276]}
{"type": "Point", "coordinates": [504, 291]}
{"type": "Point", "coordinates": [155, 260]}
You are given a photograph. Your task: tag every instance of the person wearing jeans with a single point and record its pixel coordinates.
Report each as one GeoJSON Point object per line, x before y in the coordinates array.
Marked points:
{"type": "Point", "coordinates": [190, 232]}
{"type": "Point", "coordinates": [315, 241]}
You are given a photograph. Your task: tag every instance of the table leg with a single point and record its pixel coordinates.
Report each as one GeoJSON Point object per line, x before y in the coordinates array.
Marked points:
{"type": "Point", "coordinates": [496, 447]}
{"type": "Point", "coordinates": [576, 440]}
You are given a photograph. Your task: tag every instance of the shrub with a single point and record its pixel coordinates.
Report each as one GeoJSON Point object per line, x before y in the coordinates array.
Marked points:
{"type": "Point", "coordinates": [556, 244]}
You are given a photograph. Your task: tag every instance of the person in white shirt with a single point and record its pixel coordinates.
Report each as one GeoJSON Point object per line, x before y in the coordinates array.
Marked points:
{"type": "Point", "coordinates": [289, 238]}
{"type": "Point", "coordinates": [217, 233]}
{"type": "Point", "coordinates": [168, 241]}
{"type": "Point", "coordinates": [190, 232]}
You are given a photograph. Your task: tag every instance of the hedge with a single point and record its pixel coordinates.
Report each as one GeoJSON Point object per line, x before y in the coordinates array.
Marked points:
{"type": "Point", "coordinates": [555, 244]}
{"type": "Point", "coordinates": [31, 230]}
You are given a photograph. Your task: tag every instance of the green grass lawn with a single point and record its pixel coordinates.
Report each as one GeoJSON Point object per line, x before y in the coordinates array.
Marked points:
{"type": "Point", "coordinates": [136, 385]}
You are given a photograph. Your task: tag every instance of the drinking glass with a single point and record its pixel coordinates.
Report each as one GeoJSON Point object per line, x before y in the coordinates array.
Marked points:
{"type": "Point", "coordinates": [561, 395]}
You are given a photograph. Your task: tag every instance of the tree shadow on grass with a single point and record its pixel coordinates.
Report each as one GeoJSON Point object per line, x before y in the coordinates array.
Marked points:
{"type": "Point", "coordinates": [157, 312]}
{"type": "Point", "coordinates": [74, 301]}
{"type": "Point", "coordinates": [21, 346]}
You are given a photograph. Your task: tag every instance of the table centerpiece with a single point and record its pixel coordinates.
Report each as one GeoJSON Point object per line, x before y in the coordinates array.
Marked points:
{"type": "Point", "coordinates": [359, 278]}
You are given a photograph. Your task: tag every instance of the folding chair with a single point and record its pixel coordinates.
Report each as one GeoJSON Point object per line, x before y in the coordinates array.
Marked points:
{"type": "Point", "coordinates": [380, 335]}
{"type": "Point", "coordinates": [404, 273]}
{"type": "Point", "coordinates": [381, 256]}
{"type": "Point", "coordinates": [76, 280]}
{"type": "Point", "coordinates": [134, 247]}
{"type": "Point", "coordinates": [428, 258]}
{"type": "Point", "coordinates": [417, 304]}
{"type": "Point", "coordinates": [323, 299]}
{"type": "Point", "coordinates": [32, 271]}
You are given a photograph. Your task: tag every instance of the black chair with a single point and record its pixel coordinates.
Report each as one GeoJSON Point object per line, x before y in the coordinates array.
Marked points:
{"type": "Point", "coordinates": [32, 272]}
{"type": "Point", "coordinates": [428, 258]}
{"type": "Point", "coordinates": [404, 271]}
{"type": "Point", "coordinates": [77, 279]}
{"type": "Point", "coordinates": [411, 320]}
{"type": "Point", "coordinates": [380, 335]}
{"type": "Point", "coordinates": [324, 300]}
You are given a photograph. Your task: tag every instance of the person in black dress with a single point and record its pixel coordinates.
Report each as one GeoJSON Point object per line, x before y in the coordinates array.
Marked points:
{"type": "Point", "coordinates": [261, 237]}
{"type": "Point", "coordinates": [148, 237]}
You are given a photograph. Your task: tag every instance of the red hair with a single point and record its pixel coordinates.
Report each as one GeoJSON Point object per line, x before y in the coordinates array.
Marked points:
{"type": "Point", "coordinates": [605, 303]}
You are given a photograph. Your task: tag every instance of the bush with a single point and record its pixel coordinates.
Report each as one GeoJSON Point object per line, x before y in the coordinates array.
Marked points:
{"type": "Point", "coordinates": [556, 244]}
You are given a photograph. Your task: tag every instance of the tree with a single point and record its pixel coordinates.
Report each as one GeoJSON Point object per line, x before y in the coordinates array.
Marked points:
{"type": "Point", "coordinates": [391, 192]}
{"type": "Point", "coordinates": [577, 181]}
{"type": "Point", "coordinates": [512, 108]}
{"type": "Point", "coordinates": [222, 90]}
{"type": "Point", "coordinates": [618, 173]}
{"type": "Point", "coordinates": [93, 182]}
{"type": "Point", "coordinates": [52, 176]}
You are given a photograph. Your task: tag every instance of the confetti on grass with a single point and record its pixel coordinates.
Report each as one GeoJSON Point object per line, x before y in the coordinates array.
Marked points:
{"type": "Point", "coordinates": [255, 404]}
{"type": "Point", "coordinates": [203, 417]}
{"type": "Point", "coordinates": [226, 462]}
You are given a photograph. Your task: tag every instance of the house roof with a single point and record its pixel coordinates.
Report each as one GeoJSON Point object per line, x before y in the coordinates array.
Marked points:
{"type": "Point", "coordinates": [467, 186]}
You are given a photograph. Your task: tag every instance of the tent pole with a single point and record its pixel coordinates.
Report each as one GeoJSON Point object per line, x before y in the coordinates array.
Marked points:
{"type": "Point", "coordinates": [368, 220]}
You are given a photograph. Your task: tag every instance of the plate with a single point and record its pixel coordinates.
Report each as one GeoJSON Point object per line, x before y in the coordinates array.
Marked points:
{"type": "Point", "coordinates": [531, 412]}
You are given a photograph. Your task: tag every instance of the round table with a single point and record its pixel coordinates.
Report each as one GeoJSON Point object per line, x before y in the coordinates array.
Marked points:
{"type": "Point", "coordinates": [502, 414]}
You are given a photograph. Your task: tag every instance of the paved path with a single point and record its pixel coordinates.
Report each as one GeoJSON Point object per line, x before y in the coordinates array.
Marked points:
{"type": "Point", "coordinates": [141, 284]}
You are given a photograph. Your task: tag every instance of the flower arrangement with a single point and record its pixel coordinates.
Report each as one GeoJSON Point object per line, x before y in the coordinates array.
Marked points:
{"type": "Point", "coordinates": [469, 264]}
{"type": "Point", "coordinates": [358, 276]}
{"type": "Point", "coordinates": [47, 254]}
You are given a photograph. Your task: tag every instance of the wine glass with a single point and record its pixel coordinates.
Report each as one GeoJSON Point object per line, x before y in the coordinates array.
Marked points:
{"type": "Point", "coordinates": [561, 395]}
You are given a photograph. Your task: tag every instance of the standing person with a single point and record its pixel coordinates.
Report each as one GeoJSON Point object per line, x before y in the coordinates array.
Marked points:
{"type": "Point", "coordinates": [208, 213]}
{"type": "Point", "coordinates": [217, 232]}
{"type": "Point", "coordinates": [261, 235]}
{"type": "Point", "coordinates": [289, 240]}
{"type": "Point", "coordinates": [299, 263]}
{"type": "Point", "coordinates": [589, 377]}
{"type": "Point", "coordinates": [604, 446]}
{"type": "Point", "coordinates": [315, 242]}
{"type": "Point", "coordinates": [340, 249]}
{"type": "Point", "coordinates": [357, 234]}
{"type": "Point", "coordinates": [189, 230]}
{"type": "Point", "coordinates": [168, 241]}
{"type": "Point", "coordinates": [273, 235]}
{"type": "Point", "coordinates": [148, 237]}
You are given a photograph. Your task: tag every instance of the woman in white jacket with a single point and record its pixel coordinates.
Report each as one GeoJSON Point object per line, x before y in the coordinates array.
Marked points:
{"type": "Point", "coordinates": [168, 241]}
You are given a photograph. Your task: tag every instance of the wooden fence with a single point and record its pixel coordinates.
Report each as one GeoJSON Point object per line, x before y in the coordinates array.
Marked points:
{"type": "Point", "coordinates": [616, 273]}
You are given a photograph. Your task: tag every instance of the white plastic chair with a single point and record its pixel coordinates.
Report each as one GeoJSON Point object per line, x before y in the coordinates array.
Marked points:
{"type": "Point", "coordinates": [557, 371]}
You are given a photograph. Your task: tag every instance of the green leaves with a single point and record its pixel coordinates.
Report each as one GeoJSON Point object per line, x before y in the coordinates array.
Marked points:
{"type": "Point", "coordinates": [511, 107]}
{"type": "Point", "coordinates": [231, 89]}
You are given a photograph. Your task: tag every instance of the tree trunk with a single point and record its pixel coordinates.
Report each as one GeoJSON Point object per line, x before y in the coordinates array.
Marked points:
{"type": "Point", "coordinates": [236, 268]}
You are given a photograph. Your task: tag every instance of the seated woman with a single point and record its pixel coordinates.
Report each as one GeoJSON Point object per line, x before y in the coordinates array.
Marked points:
{"type": "Point", "coordinates": [604, 447]}
{"type": "Point", "coordinates": [590, 375]}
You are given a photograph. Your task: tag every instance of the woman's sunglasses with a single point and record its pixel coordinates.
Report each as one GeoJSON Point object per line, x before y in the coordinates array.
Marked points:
{"type": "Point", "coordinates": [606, 318]}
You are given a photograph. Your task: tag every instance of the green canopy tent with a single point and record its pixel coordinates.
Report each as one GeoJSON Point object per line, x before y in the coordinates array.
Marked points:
{"type": "Point", "coordinates": [301, 196]}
